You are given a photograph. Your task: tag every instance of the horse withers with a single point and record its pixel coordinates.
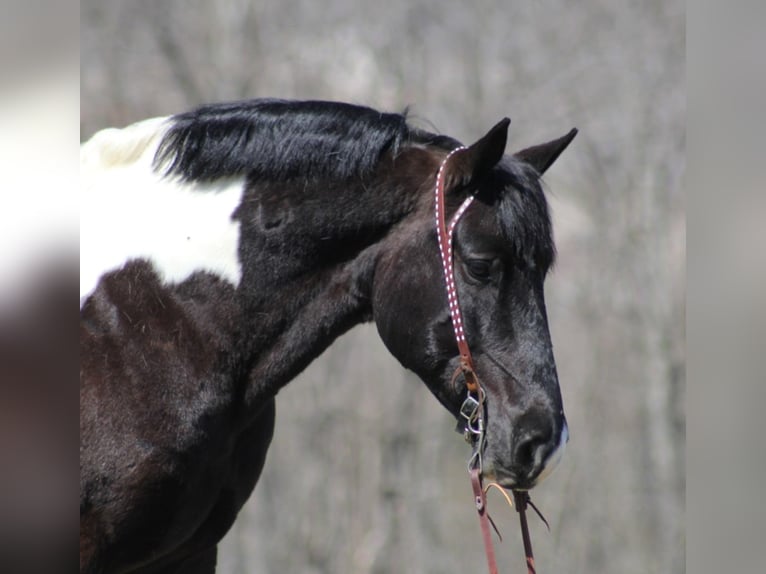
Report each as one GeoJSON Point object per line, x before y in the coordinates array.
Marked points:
{"type": "Point", "coordinates": [223, 249]}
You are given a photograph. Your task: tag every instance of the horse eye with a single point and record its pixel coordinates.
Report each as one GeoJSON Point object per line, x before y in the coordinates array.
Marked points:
{"type": "Point", "coordinates": [480, 269]}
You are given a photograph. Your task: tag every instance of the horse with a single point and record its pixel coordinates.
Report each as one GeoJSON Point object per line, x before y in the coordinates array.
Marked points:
{"type": "Point", "coordinates": [224, 248]}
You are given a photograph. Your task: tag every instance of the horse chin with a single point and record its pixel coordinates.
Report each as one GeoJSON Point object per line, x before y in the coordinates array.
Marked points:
{"type": "Point", "coordinates": [509, 480]}
{"type": "Point", "coordinates": [505, 478]}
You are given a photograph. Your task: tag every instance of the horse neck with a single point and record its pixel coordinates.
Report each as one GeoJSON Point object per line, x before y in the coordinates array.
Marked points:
{"type": "Point", "coordinates": [309, 254]}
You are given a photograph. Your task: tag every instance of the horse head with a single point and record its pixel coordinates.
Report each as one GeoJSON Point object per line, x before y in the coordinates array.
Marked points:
{"type": "Point", "coordinates": [502, 250]}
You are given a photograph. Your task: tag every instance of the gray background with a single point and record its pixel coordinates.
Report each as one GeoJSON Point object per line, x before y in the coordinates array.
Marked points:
{"type": "Point", "coordinates": [365, 473]}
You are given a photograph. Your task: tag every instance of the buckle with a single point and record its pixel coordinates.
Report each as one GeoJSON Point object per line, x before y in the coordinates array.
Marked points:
{"type": "Point", "coordinates": [469, 414]}
{"type": "Point", "coordinates": [473, 427]}
{"type": "Point", "coordinates": [469, 410]}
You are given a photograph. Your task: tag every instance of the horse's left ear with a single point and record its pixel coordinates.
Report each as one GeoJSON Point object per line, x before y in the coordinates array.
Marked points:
{"type": "Point", "coordinates": [542, 156]}
{"type": "Point", "coordinates": [477, 160]}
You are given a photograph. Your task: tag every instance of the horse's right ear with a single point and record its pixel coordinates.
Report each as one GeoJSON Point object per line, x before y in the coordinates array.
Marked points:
{"type": "Point", "coordinates": [477, 160]}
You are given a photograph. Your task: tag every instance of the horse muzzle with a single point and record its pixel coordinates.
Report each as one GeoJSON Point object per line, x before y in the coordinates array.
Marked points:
{"type": "Point", "coordinates": [537, 445]}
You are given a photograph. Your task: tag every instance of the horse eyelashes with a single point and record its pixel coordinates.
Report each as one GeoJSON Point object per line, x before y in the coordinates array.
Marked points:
{"type": "Point", "coordinates": [480, 269]}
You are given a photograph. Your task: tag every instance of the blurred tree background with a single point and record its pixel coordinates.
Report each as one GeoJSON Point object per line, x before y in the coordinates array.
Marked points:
{"type": "Point", "coordinates": [365, 473]}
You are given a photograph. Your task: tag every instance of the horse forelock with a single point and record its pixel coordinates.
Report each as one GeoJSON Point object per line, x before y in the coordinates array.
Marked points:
{"type": "Point", "coordinates": [524, 215]}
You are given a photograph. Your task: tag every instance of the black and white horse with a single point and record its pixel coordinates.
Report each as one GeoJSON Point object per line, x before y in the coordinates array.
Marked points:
{"type": "Point", "coordinates": [223, 249]}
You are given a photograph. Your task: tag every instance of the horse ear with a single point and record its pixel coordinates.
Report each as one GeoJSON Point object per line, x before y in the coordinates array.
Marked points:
{"type": "Point", "coordinates": [542, 156]}
{"type": "Point", "coordinates": [478, 159]}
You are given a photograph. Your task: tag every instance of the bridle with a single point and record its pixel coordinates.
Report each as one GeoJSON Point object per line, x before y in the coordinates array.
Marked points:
{"type": "Point", "coordinates": [473, 408]}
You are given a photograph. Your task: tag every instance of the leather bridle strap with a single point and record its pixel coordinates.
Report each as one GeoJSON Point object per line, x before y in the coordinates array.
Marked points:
{"type": "Point", "coordinates": [480, 499]}
{"type": "Point", "coordinates": [521, 499]}
{"type": "Point", "coordinates": [445, 232]}
{"type": "Point", "coordinates": [475, 424]}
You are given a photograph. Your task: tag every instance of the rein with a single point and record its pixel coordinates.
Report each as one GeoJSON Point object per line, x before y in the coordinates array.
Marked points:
{"type": "Point", "coordinates": [472, 409]}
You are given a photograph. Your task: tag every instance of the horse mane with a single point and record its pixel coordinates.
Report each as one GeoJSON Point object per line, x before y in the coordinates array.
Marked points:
{"type": "Point", "coordinates": [279, 140]}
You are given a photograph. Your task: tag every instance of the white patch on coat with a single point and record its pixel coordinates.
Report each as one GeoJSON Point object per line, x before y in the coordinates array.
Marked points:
{"type": "Point", "coordinates": [129, 211]}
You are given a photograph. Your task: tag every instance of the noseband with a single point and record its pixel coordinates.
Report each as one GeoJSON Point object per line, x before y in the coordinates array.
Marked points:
{"type": "Point", "coordinates": [473, 407]}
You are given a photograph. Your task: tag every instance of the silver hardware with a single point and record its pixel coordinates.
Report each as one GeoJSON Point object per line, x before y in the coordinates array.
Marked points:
{"type": "Point", "coordinates": [469, 410]}
{"type": "Point", "coordinates": [472, 411]}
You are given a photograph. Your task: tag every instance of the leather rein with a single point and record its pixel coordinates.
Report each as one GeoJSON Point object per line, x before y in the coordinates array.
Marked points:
{"type": "Point", "coordinates": [472, 409]}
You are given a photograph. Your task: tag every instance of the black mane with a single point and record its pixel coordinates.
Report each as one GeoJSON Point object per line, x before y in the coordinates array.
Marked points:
{"type": "Point", "coordinates": [278, 140]}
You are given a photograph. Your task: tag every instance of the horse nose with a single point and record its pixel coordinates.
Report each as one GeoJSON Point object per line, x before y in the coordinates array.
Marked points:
{"type": "Point", "coordinates": [536, 437]}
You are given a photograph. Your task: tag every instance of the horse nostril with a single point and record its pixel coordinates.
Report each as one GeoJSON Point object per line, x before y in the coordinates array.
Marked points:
{"type": "Point", "coordinates": [530, 450]}
{"type": "Point", "coordinates": [533, 441]}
